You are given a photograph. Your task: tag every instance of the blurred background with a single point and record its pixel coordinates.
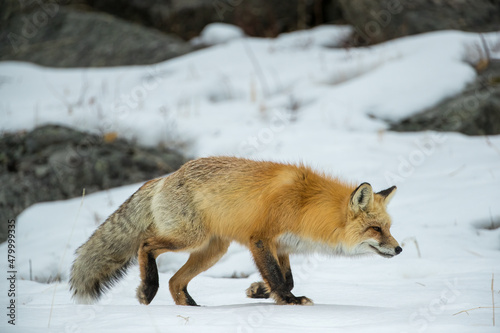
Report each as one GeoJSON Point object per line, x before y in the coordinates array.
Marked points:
{"type": "Point", "coordinates": [81, 33]}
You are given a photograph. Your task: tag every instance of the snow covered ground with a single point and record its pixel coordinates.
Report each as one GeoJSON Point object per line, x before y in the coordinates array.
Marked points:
{"type": "Point", "coordinates": [293, 98]}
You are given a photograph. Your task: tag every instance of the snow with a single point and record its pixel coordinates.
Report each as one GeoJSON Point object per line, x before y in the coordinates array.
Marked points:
{"type": "Point", "coordinates": [295, 99]}
{"type": "Point", "coordinates": [218, 33]}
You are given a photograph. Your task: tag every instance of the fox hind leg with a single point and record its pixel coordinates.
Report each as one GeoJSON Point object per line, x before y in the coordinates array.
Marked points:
{"type": "Point", "coordinates": [261, 290]}
{"type": "Point", "coordinates": [199, 261]}
{"type": "Point", "coordinates": [148, 252]}
{"type": "Point", "coordinates": [149, 285]}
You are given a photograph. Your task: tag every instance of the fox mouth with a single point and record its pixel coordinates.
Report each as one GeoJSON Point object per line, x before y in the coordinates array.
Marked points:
{"type": "Point", "coordinates": [385, 255]}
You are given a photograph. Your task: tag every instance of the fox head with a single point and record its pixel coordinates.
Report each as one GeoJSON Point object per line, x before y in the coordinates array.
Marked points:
{"type": "Point", "coordinates": [368, 224]}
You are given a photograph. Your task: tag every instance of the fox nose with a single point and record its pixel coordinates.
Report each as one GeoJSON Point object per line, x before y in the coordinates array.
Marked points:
{"type": "Point", "coordinates": [398, 249]}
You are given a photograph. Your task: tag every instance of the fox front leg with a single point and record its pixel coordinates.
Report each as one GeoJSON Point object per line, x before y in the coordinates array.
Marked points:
{"type": "Point", "coordinates": [269, 267]}
{"type": "Point", "coordinates": [261, 290]}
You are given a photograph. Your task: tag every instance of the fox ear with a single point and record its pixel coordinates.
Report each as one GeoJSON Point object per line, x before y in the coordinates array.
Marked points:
{"type": "Point", "coordinates": [388, 194]}
{"type": "Point", "coordinates": [361, 198]}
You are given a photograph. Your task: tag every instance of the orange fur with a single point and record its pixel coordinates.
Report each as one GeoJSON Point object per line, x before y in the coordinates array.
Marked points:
{"type": "Point", "coordinates": [247, 198]}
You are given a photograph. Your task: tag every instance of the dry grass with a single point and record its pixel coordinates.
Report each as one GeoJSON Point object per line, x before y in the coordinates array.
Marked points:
{"type": "Point", "coordinates": [414, 241]}
{"type": "Point", "coordinates": [485, 307]}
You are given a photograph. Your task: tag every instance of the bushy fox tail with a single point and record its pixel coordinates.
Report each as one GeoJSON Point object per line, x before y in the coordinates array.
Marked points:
{"type": "Point", "coordinates": [105, 257]}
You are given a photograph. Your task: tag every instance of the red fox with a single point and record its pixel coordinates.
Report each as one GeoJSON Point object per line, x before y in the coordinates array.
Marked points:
{"type": "Point", "coordinates": [274, 209]}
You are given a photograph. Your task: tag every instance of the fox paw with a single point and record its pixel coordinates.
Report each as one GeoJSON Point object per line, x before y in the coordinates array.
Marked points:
{"type": "Point", "coordinates": [258, 290]}
{"type": "Point", "coordinates": [291, 299]}
{"type": "Point", "coordinates": [146, 293]}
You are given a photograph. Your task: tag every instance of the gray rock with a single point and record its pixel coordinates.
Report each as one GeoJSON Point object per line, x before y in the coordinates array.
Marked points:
{"type": "Point", "coordinates": [379, 21]}
{"type": "Point", "coordinates": [187, 18]}
{"type": "Point", "coordinates": [476, 111]}
{"type": "Point", "coordinates": [95, 33]}
{"type": "Point", "coordinates": [55, 163]}
{"type": "Point", "coordinates": [61, 36]}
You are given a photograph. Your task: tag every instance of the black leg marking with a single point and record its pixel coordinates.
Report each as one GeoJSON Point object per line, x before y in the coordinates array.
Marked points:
{"type": "Point", "coordinates": [260, 289]}
{"type": "Point", "coordinates": [289, 279]}
{"type": "Point", "coordinates": [272, 274]}
{"type": "Point", "coordinates": [151, 283]}
{"type": "Point", "coordinates": [270, 269]}
{"type": "Point", "coordinates": [189, 299]}
{"type": "Point", "coordinates": [284, 262]}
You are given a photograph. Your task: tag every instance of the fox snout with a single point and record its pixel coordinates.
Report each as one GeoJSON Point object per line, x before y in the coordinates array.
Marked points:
{"type": "Point", "coordinates": [386, 251]}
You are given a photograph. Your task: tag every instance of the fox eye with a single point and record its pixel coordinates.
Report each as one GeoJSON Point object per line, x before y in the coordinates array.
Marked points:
{"type": "Point", "coordinates": [377, 229]}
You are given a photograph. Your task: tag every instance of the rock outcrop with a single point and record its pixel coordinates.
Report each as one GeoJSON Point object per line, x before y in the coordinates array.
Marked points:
{"type": "Point", "coordinates": [55, 163]}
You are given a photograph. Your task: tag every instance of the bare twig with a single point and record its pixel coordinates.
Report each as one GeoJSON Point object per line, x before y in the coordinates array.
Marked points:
{"type": "Point", "coordinates": [64, 254]}
{"type": "Point", "coordinates": [485, 307]}
{"type": "Point", "coordinates": [83, 91]}
{"type": "Point", "coordinates": [492, 145]}
{"type": "Point", "coordinates": [414, 240]}
{"type": "Point", "coordinates": [257, 68]}
{"type": "Point", "coordinates": [486, 48]}
{"type": "Point", "coordinates": [492, 225]}
{"type": "Point", "coordinates": [467, 311]}
{"type": "Point", "coordinates": [456, 171]}
{"type": "Point", "coordinates": [493, 296]}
